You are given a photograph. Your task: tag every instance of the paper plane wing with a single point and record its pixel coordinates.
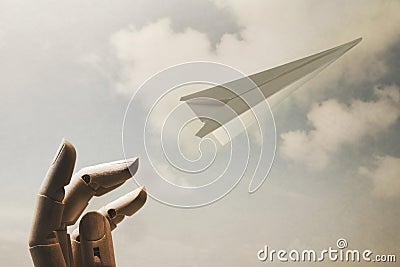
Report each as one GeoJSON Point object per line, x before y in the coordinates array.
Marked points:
{"type": "Point", "coordinates": [243, 94]}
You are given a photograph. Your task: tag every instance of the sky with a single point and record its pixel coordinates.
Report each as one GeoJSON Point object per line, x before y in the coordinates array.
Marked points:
{"type": "Point", "coordinates": [70, 68]}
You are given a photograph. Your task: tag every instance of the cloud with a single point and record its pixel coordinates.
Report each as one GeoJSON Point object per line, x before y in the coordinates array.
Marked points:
{"type": "Point", "coordinates": [385, 176]}
{"type": "Point", "coordinates": [144, 52]}
{"type": "Point", "coordinates": [272, 33]}
{"type": "Point", "coordinates": [336, 124]}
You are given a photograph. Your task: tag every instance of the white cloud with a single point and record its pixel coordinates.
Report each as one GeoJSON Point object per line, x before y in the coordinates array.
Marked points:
{"type": "Point", "coordinates": [336, 124]}
{"type": "Point", "coordinates": [144, 52]}
{"type": "Point", "coordinates": [385, 176]}
{"type": "Point", "coordinates": [274, 32]}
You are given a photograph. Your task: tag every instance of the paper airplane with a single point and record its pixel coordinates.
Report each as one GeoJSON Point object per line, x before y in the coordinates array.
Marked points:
{"type": "Point", "coordinates": [245, 93]}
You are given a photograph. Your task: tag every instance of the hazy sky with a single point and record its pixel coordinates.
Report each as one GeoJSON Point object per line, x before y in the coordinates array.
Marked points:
{"type": "Point", "coordinates": [69, 69]}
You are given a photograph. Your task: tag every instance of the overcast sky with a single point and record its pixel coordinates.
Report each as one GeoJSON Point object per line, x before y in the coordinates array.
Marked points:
{"type": "Point", "coordinates": [69, 69]}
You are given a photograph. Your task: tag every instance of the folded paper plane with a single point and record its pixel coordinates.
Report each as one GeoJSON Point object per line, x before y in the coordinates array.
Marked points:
{"type": "Point", "coordinates": [243, 94]}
